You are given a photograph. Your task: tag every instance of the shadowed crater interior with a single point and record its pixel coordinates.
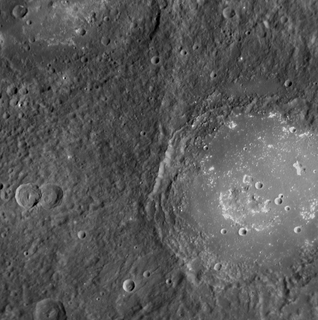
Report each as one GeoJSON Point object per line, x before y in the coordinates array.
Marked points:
{"type": "Point", "coordinates": [257, 181]}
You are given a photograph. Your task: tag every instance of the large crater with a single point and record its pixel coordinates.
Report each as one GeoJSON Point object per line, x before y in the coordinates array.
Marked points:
{"type": "Point", "coordinates": [256, 194]}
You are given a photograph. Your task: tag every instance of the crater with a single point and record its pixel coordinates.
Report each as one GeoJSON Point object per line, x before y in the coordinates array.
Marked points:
{"type": "Point", "coordinates": [51, 196]}
{"type": "Point", "coordinates": [260, 190]}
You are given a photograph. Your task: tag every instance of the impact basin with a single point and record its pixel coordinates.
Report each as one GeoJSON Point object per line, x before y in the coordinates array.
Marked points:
{"type": "Point", "coordinates": [256, 194]}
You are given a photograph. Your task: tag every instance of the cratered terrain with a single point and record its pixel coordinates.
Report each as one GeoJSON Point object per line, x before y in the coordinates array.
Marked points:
{"type": "Point", "coordinates": [158, 159]}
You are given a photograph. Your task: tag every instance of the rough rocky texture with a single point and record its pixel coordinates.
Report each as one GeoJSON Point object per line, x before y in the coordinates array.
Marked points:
{"type": "Point", "coordinates": [106, 107]}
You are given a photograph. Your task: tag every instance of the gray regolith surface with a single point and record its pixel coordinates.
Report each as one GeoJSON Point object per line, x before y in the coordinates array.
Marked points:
{"type": "Point", "coordinates": [158, 159]}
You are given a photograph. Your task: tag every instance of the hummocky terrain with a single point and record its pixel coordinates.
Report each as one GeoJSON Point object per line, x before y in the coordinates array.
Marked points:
{"type": "Point", "coordinates": [159, 159]}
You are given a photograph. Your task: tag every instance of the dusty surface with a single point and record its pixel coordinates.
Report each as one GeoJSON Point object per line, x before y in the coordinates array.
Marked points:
{"type": "Point", "coordinates": [258, 180]}
{"type": "Point", "coordinates": [112, 115]}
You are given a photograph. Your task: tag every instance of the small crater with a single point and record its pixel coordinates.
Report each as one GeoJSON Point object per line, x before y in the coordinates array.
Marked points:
{"type": "Point", "coordinates": [52, 196]}
{"type": "Point", "coordinates": [259, 185]}
{"type": "Point", "coordinates": [105, 41]}
{"type": "Point", "coordinates": [283, 19]}
{"type": "Point", "coordinates": [146, 274]}
{"type": "Point", "coordinates": [27, 195]}
{"type": "Point", "coordinates": [213, 75]}
{"type": "Point", "coordinates": [292, 129]}
{"type": "Point", "coordinates": [81, 234]}
{"type": "Point", "coordinates": [228, 13]}
{"type": "Point", "coordinates": [223, 231]}
{"type": "Point", "coordinates": [242, 232]}
{"type": "Point", "coordinates": [155, 60]}
{"type": "Point", "coordinates": [217, 267]}
{"type": "Point", "coordinates": [80, 31]}
{"type": "Point", "coordinates": [12, 90]}
{"type": "Point", "coordinates": [288, 83]}
{"type": "Point", "coordinates": [49, 309]}
{"type": "Point", "coordinates": [297, 229]}
{"type": "Point", "coordinates": [183, 52]}
{"type": "Point", "coordinates": [287, 208]}
{"type": "Point", "coordinates": [278, 201]}
{"type": "Point", "coordinates": [19, 11]}
{"type": "Point", "coordinates": [129, 285]}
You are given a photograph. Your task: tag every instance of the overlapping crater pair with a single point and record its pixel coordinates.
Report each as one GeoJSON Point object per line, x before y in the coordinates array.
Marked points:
{"type": "Point", "coordinates": [29, 195]}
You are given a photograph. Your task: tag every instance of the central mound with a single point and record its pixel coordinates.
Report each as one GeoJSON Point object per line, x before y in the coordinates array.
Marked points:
{"type": "Point", "coordinates": [256, 195]}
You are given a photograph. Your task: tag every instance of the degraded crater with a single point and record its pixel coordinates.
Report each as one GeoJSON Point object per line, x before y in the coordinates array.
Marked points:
{"type": "Point", "coordinates": [49, 309]}
{"type": "Point", "coordinates": [257, 180]}
{"type": "Point", "coordinates": [51, 196]}
{"type": "Point", "coordinates": [27, 195]}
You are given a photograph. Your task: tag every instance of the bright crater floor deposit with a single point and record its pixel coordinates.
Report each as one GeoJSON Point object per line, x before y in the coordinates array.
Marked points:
{"type": "Point", "coordinates": [256, 196]}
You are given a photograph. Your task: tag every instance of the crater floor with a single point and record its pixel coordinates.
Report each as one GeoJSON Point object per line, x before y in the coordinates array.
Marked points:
{"type": "Point", "coordinates": [256, 195]}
